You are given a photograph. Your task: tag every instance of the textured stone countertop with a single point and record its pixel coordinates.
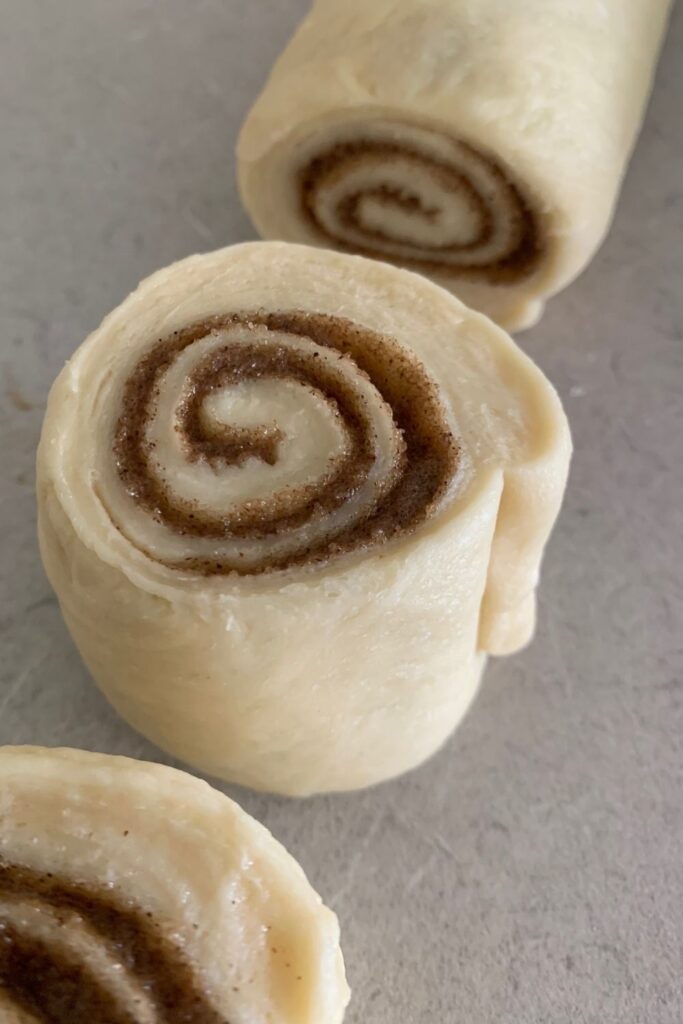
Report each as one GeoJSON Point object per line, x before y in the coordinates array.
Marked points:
{"type": "Point", "coordinates": [532, 873]}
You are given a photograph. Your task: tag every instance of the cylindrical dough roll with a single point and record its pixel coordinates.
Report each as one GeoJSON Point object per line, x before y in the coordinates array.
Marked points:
{"type": "Point", "coordinates": [481, 142]}
{"type": "Point", "coordinates": [131, 893]}
{"type": "Point", "coordinates": [289, 499]}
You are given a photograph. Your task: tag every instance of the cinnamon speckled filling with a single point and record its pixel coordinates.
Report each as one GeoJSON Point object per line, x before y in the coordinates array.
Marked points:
{"type": "Point", "coordinates": [46, 981]}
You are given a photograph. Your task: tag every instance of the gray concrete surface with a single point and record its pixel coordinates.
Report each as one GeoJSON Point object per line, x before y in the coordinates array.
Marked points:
{"type": "Point", "coordinates": [531, 874]}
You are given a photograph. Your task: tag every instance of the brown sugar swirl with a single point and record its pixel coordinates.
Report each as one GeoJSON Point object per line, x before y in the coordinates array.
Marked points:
{"type": "Point", "coordinates": [396, 463]}
{"type": "Point", "coordinates": [422, 199]}
{"type": "Point", "coordinates": [72, 954]}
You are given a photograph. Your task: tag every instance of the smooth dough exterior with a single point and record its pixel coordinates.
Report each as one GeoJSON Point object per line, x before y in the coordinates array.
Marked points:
{"type": "Point", "coordinates": [289, 500]}
{"type": "Point", "coordinates": [132, 893]}
{"type": "Point", "coordinates": [481, 142]}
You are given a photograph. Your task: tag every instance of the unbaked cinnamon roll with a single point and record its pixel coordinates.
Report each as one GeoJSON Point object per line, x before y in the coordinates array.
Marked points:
{"type": "Point", "coordinates": [131, 893]}
{"type": "Point", "coordinates": [482, 145]}
{"type": "Point", "coordinates": [289, 499]}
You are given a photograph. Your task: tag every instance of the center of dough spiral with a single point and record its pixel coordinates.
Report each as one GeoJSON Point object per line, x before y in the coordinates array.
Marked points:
{"type": "Point", "coordinates": [417, 197]}
{"type": "Point", "coordinates": [254, 442]}
{"type": "Point", "coordinates": [72, 955]}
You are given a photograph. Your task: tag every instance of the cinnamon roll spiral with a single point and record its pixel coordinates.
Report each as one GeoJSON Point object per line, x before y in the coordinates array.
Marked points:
{"type": "Point", "coordinates": [134, 894]}
{"type": "Point", "coordinates": [405, 194]}
{"type": "Point", "coordinates": [288, 500]}
{"type": "Point", "coordinates": [391, 454]}
{"type": "Point", "coordinates": [481, 144]}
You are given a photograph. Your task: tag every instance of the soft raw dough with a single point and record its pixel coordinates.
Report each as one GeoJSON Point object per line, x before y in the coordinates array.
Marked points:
{"type": "Point", "coordinates": [225, 898]}
{"type": "Point", "coordinates": [546, 96]}
{"type": "Point", "coordinates": [331, 675]}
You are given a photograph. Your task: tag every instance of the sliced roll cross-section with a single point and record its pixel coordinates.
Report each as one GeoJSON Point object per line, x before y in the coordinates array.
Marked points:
{"type": "Point", "coordinates": [289, 499]}
{"type": "Point", "coordinates": [257, 492]}
{"type": "Point", "coordinates": [131, 893]}
{"type": "Point", "coordinates": [480, 144]}
{"type": "Point", "coordinates": [417, 196]}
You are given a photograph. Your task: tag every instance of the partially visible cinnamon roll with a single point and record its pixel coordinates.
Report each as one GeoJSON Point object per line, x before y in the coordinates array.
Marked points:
{"type": "Point", "coordinates": [131, 893]}
{"type": "Point", "coordinates": [482, 145]}
{"type": "Point", "coordinates": [289, 499]}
